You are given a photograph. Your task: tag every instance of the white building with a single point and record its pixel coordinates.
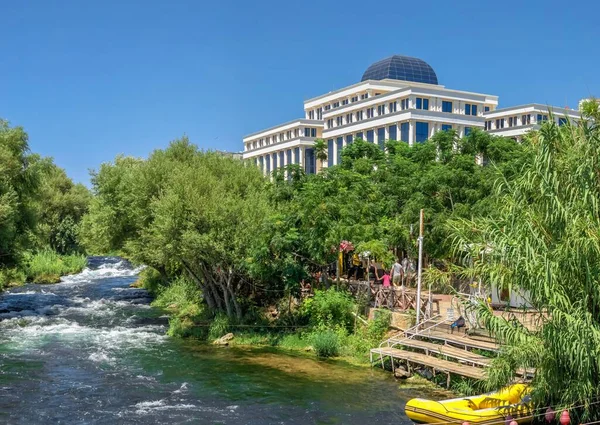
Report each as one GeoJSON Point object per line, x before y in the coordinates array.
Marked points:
{"type": "Point", "coordinates": [398, 98]}
{"type": "Point", "coordinates": [515, 121]}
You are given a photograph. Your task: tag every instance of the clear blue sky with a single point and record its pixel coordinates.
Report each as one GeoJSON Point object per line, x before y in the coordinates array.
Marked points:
{"type": "Point", "coordinates": [92, 79]}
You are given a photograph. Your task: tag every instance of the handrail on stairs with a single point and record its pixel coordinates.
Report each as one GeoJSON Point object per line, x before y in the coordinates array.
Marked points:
{"type": "Point", "coordinates": [413, 329]}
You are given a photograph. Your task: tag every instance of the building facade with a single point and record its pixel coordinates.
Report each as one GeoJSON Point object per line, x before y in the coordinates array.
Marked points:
{"type": "Point", "coordinates": [398, 98]}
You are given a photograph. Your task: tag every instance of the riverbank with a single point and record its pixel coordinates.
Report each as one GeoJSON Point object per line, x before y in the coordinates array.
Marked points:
{"type": "Point", "coordinates": [44, 267]}
{"type": "Point", "coordinates": [325, 324]}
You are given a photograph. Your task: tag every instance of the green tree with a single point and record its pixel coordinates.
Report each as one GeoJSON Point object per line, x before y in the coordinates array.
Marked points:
{"type": "Point", "coordinates": [19, 182]}
{"type": "Point", "coordinates": [60, 207]}
{"type": "Point", "coordinates": [320, 148]}
{"type": "Point", "coordinates": [544, 240]}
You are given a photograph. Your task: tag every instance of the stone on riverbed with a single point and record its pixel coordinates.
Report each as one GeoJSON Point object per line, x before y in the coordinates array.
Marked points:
{"type": "Point", "coordinates": [401, 372]}
{"type": "Point", "coordinates": [224, 340]}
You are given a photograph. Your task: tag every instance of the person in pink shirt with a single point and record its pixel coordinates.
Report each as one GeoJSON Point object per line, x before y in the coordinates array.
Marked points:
{"type": "Point", "coordinates": [385, 279]}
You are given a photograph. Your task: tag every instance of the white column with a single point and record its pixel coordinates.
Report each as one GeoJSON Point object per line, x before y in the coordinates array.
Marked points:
{"type": "Point", "coordinates": [301, 157]}
{"type": "Point", "coordinates": [411, 133]}
{"type": "Point", "coordinates": [432, 128]}
{"type": "Point", "coordinates": [461, 131]}
{"type": "Point", "coordinates": [335, 149]}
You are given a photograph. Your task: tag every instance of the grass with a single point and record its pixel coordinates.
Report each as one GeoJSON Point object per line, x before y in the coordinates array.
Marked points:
{"type": "Point", "coordinates": [47, 266]}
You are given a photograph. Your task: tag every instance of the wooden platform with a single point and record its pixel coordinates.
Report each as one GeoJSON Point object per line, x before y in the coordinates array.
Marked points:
{"type": "Point", "coordinates": [447, 351]}
{"type": "Point", "coordinates": [435, 363]}
{"type": "Point", "coordinates": [461, 340]}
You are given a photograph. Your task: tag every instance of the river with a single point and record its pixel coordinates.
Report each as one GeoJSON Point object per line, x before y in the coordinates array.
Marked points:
{"type": "Point", "coordinates": [91, 350]}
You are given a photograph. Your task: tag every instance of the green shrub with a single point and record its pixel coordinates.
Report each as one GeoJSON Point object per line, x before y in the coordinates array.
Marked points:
{"type": "Point", "coordinates": [47, 266]}
{"type": "Point", "coordinates": [174, 296]}
{"type": "Point", "coordinates": [151, 280]}
{"type": "Point", "coordinates": [218, 327]}
{"type": "Point", "coordinates": [11, 277]}
{"type": "Point", "coordinates": [326, 343]}
{"type": "Point", "coordinates": [330, 308]}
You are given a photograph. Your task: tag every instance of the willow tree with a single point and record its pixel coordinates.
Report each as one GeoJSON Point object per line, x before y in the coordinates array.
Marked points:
{"type": "Point", "coordinates": [546, 242]}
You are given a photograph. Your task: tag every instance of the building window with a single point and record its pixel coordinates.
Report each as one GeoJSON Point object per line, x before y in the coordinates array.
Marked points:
{"type": "Point", "coordinates": [393, 130]}
{"type": "Point", "coordinates": [422, 131]}
{"type": "Point", "coordinates": [364, 96]}
{"type": "Point", "coordinates": [359, 135]}
{"type": "Point", "coordinates": [370, 136]}
{"type": "Point", "coordinates": [306, 132]}
{"type": "Point", "coordinates": [274, 161]}
{"type": "Point", "coordinates": [313, 132]}
{"type": "Point", "coordinates": [345, 102]}
{"type": "Point", "coordinates": [380, 110]}
{"type": "Point", "coordinates": [381, 137]}
{"type": "Point", "coordinates": [562, 121]}
{"type": "Point", "coordinates": [446, 127]}
{"type": "Point", "coordinates": [404, 104]}
{"type": "Point", "coordinates": [349, 118]}
{"type": "Point", "coordinates": [349, 139]}
{"type": "Point", "coordinates": [340, 145]}
{"type": "Point", "coordinates": [467, 131]}
{"type": "Point", "coordinates": [288, 155]}
{"type": "Point", "coordinates": [404, 129]}
{"type": "Point", "coordinates": [446, 106]}
{"type": "Point", "coordinates": [370, 112]}
{"type": "Point", "coordinates": [359, 115]}
{"type": "Point", "coordinates": [486, 109]}
{"type": "Point", "coordinates": [310, 163]}
{"type": "Point", "coordinates": [336, 104]}
{"type": "Point", "coordinates": [327, 107]}
{"type": "Point", "coordinates": [355, 99]}
{"type": "Point", "coordinates": [339, 121]}
{"type": "Point", "coordinates": [499, 123]}
{"type": "Point", "coordinates": [281, 154]}
{"type": "Point", "coordinates": [320, 113]}
{"type": "Point", "coordinates": [261, 163]}
{"type": "Point", "coordinates": [330, 153]}
{"type": "Point", "coordinates": [296, 155]}
{"type": "Point", "coordinates": [330, 123]}
{"type": "Point", "coordinates": [392, 107]}
{"type": "Point", "coordinates": [422, 103]}
{"type": "Point", "coordinates": [467, 109]}
{"type": "Point", "coordinates": [311, 115]}
{"type": "Point", "coordinates": [474, 110]}
{"type": "Point", "coordinates": [510, 121]}
{"type": "Point", "coordinates": [526, 119]}
{"type": "Point", "coordinates": [268, 163]}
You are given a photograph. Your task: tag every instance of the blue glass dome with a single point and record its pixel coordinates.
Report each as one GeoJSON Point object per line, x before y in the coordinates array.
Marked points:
{"type": "Point", "coordinates": [401, 68]}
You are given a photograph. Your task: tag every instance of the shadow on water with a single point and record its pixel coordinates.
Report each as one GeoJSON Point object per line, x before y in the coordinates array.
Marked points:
{"type": "Point", "coordinates": [91, 350]}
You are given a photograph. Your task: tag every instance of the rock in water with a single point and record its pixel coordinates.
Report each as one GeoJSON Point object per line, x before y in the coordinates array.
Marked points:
{"type": "Point", "coordinates": [224, 340]}
{"type": "Point", "coordinates": [400, 372]}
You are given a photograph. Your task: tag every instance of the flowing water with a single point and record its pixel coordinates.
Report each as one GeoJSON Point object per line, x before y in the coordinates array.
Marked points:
{"type": "Point", "coordinates": [91, 350]}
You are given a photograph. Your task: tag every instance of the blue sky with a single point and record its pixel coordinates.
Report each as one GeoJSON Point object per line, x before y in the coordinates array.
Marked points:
{"type": "Point", "coordinates": [92, 79]}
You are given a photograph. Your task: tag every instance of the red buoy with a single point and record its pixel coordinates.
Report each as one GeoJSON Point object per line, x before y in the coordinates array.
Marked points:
{"type": "Point", "coordinates": [564, 418]}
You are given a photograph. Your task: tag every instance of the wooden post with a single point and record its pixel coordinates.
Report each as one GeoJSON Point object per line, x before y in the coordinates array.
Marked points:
{"type": "Point", "coordinates": [420, 266]}
{"type": "Point", "coordinates": [448, 381]}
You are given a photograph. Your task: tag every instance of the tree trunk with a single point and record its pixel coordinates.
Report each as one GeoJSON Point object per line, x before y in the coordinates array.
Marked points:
{"type": "Point", "coordinates": [236, 305]}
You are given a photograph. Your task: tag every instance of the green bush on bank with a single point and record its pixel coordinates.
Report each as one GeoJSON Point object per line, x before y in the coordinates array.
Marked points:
{"type": "Point", "coordinates": [11, 277]}
{"type": "Point", "coordinates": [326, 343]}
{"type": "Point", "coordinates": [47, 266]}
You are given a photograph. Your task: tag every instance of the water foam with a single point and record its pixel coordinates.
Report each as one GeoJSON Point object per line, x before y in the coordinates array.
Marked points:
{"type": "Point", "coordinates": [120, 269]}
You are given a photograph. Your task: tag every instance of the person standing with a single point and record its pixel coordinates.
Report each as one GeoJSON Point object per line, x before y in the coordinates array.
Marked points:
{"type": "Point", "coordinates": [396, 273]}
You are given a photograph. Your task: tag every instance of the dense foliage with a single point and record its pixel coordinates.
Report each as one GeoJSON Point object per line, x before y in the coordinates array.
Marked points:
{"type": "Point", "coordinates": [40, 207]}
{"type": "Point", "coordinates": [546, 241]}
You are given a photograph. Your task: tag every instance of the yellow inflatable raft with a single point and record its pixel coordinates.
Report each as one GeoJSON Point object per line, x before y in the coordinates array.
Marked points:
{"type": "Point", "coordinates": [488, 409]}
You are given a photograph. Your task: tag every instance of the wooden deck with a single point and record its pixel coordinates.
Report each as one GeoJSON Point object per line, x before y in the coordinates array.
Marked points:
{"type": "Point", "coordinates": [456, 338]}
{"type": "Point", "coordinates": [436, 348]}
{"type": "Point", "coordinates": [435, 363]}
{"type": "Point", "coordinates": [447, 351]}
